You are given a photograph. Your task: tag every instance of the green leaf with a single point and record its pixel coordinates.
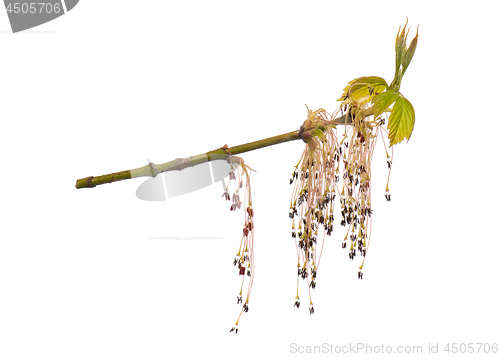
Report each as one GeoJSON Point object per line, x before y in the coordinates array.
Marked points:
{"type": "Point", "coordinates": [348, 88]}
{"type": "Point", "coordinates": [401, 121]}
{"type": "Point", "coordinates": [363, 86]}
{"type": "Point", "coordinates": [410, 52]}
{"type": "Point", "coordinates": [401, 45]}
{"type": "Point", "coordinates": [383, 101]}
{"type": "Point", "coordinates": [372, 80]}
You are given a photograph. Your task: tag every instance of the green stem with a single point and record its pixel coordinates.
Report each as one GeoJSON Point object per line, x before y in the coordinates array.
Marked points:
{"type": "Point", "coordinates": [178, 164]}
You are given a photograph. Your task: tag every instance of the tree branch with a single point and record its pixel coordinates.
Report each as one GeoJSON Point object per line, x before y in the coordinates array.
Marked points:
{"type": "Point", "coordinates": [223, 153]}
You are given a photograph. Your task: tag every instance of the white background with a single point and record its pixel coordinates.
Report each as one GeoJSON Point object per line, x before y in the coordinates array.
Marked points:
{"type": "Point", "coordinates": [114, 83]}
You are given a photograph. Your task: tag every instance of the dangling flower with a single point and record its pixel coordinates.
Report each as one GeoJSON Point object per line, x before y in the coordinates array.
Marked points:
{"type": "Point", "coordinates": [244, 260]}
{"type": "Point", "coordinates": [317, 183]}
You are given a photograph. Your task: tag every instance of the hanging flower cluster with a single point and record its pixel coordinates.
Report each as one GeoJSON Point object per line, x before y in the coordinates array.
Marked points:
{"type": "Point", "coordinates": [239, 178]}
{"type": "Point", "coordinates": [311, 208]}
{"type": "Point", "coordinates": [324, 161]}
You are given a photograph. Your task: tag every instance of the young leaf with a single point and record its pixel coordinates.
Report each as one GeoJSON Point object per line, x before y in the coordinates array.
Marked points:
{"type": "Point", "coordinates": [400, 46]}
{"type": "Point", "coordinates": [401, 121]}
{"type": "Point", "coordinates": [410, 52]}
{"type": "Point", "coordinates": [363, 86]}
{"type": "Point", "coordinates": [383, 101]}
{"type": "Point", "coordinates": [349, 89]}
{"type": "Point", "coordinates": [374, 80]}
